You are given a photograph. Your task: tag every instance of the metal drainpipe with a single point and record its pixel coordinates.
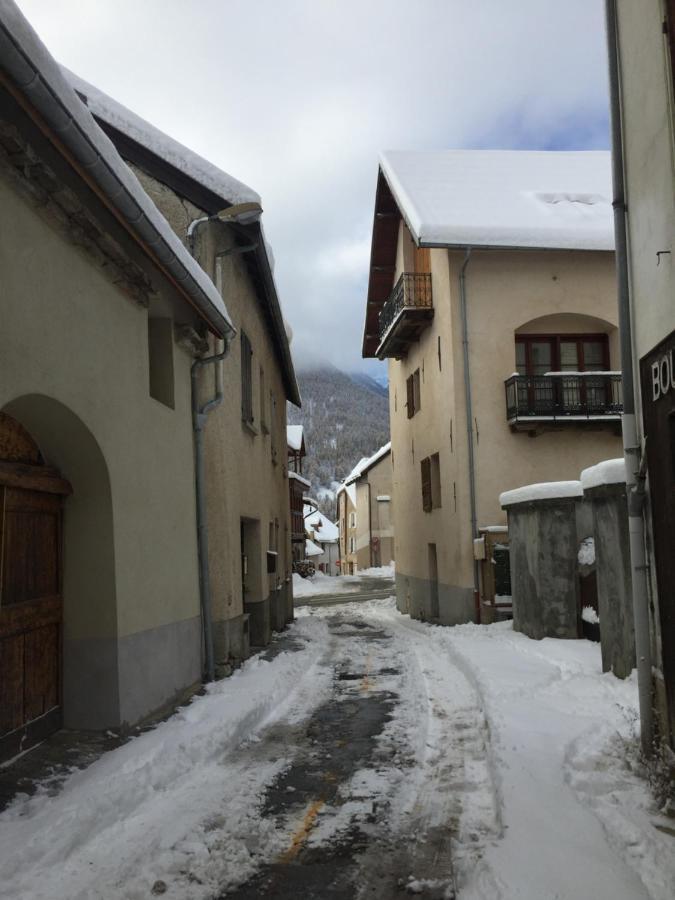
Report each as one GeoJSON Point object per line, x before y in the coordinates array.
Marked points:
{"type": "Point", "coordinates": [469, 413]}
{"type": "Point", "coordinates": [199, 416]}
{"type": "Point", "coordinates": [635, 479]}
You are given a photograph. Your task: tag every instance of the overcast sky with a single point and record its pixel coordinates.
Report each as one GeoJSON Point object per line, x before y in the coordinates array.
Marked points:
{"type": "Point", "coordinates": [297, 97]}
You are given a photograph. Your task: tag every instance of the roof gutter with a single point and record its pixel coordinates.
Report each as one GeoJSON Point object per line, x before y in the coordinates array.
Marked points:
{"type": "Point", "coordinates": [32, 92]}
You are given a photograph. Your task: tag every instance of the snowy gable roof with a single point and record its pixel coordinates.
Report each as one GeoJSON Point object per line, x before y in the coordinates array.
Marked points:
{"type": "Point", "coordinates": [294, 437]}
{"type": "Point", "coordinates": [311, 549]}
{"type": "Point", "coordinates": [367, 463]}
{"type": "Point", "coordinates": [171, 151]}
{"type": "Point", "coordinates": [38, 77]}
{"type": "Point", "coordinates": [323, 529]}
{"type": "Point", "coordinates": [504, 198]}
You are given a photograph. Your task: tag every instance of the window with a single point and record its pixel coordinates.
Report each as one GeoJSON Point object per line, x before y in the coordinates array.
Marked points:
{"type": "Point", "coordinates": [352, 520]}
{"type": "Point", "coordinates": [414, 399]}
{"type": "Point", "coordinates": [351, 545]}
{"type": "Point", "coordinates": [246, 380]}
{"type": "Point", "coordinates": [431, 482]}
{"type": "Point", "coordinates": [538, 354]}
{"type": "Point", "coordinates": [160, 360]}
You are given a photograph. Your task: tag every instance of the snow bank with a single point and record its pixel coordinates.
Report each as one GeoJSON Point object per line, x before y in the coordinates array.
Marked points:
{"type": "Point", "coordinates": [547, 490]}
{"type": "Point", "coordinates": [176, 803]}
{"type": "Point", "coordinates": [610, 471]}
{"type": "Point", "coordinates": [323, 584]}
{"type": "Point", "coordinates": [379, 571]}
{"type": "Point", "coordinates": [577, 821]}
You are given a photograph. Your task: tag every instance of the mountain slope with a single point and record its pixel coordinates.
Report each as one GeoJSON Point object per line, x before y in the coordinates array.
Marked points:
{"type": "Point", "coordinates": [345, 418]}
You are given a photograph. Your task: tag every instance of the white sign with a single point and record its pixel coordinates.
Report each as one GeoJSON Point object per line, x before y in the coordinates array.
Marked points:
{"type": "Point", "coordinates": [663, 376]}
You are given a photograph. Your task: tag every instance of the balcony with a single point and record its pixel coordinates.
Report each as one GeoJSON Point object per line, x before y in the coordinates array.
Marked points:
{"type": "Point", "coordinates": [405, 314]}
{"type": "Point", "coordinates": [563, 398]}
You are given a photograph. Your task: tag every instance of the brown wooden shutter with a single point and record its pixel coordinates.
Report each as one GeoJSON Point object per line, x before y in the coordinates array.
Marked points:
{"type": "Point", "coordinates": [425, 467]}
{"type": "Point", "coordinates": [246, 379]}
{"type": "Point", "coordinates": [410, 390]}
{"type": "Point", "coordinates": [669, 25]}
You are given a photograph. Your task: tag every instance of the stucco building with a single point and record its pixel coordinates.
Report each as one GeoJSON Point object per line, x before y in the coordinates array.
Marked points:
{"type": "Point", "coordinates": [642, 80]}
{"type": "Point", "coordinates": [365, 516]}
{"type": "Point", "coordinates": [104, 313]}
{"type": "Point", "coordinates": [492, 294]}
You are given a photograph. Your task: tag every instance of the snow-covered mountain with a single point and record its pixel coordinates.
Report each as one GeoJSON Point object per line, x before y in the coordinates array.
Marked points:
{"type": "Point", "coordinates": [346, 417]}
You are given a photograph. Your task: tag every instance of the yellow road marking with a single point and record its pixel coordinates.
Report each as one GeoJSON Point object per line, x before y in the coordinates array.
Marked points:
{"type": "Point", "coordinates": [365, 683]}
{"type": "Point", "coordinates": [302, 833]}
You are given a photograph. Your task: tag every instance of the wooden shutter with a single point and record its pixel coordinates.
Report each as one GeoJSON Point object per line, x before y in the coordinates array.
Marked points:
{"type": "Point", "coordinates": [410, 390]}
{"type": "Point", "coordinates": [246, 380]}
{"type": "Point", "coordinates": [670, 28]}
{"type": "Point", "coordinates": [425, 466]}
{"type": "Point", "coordinates": [422, 260]}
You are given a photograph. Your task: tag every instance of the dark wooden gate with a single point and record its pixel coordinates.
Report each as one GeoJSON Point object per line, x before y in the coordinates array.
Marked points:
{"type": "Point", "coordinates": [657, 378]}
{"type": "Point", "coordinates": [31, 604]}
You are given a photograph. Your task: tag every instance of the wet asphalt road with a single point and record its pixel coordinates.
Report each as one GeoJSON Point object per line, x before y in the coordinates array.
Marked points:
{"type": "Point", "coordinates": [364, 858]}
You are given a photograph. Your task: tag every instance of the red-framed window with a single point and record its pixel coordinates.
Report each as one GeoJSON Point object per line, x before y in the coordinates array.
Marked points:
{"type": "Point", "coordinates": [537, 354]}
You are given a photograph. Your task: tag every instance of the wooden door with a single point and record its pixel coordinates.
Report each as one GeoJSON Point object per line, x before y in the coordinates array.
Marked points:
{"type": "Point", "coordinates": [31, 604]}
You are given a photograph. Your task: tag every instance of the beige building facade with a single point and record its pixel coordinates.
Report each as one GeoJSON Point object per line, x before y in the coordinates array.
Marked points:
{"type": "Point", "coordinates": [104, 313]}
{"type": "Point", "coordinates": [365, 514]}
{"type": "Point", "coordinates": [538, 324]}
{"type": "Point", "coordinates": [643, 106]}
{"type": "Point", "coordinates": [245, 438]}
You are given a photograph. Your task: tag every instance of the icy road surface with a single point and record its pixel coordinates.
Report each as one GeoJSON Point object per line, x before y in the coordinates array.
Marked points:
{"type": "Point", "coordinates": [364, 755]}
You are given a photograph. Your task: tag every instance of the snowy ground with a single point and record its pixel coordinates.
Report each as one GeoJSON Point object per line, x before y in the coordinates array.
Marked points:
{"type": "Point", "coordinates": [514, 748]}
{"type": "Point", "coordinates": [337, 584]}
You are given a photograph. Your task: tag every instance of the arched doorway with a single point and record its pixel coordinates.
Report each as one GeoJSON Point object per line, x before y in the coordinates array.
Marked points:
{"type": "Point", "coordinates": [31, 598]}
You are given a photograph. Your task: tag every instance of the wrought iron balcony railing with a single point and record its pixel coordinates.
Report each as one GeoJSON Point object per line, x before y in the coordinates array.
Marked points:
{"type": "Point", "coordinates": [411, 291]}
{"type": "Point", "coordinates": [564, 396]}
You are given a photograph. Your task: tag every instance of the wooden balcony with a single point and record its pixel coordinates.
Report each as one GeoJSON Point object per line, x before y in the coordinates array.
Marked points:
{"type": "Point", "coordinates": [406, 313]}
{"type": "Point", "coordinates": [560, 399]}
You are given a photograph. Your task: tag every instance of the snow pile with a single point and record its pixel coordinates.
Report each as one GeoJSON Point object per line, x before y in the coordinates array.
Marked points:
{"type": "Point", "coordinates": [379, 571]}
{"type": "Point", "coordinates": [294, 436]}
{"type": "Point", "coordinates": [176, 804]}
{"type": "Point", "coordinates": [547, 490]}
{"type": "Point", "coordinates": [610, 471]}
{"type": "Point", "coordinates": [588, 614]}
{"type": "Point", "coordinates": [323, 584]}
{"type": "Point", "coordinates": [504, 198]}
{"type": "Point", "coordinates": [586, 554]}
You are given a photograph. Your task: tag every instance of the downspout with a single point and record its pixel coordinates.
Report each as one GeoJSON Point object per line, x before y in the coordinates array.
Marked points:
{"type": "Point", "coordinates": [199, 416]}
{"type": "Point", "coordinates": [469, 414]}
{"type": "Point", "coordinates": [635, 478]}
{"type": "Point", "coordinates": [370, 527]}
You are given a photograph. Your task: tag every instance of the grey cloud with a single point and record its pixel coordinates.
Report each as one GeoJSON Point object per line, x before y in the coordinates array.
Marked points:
{"type": "Point", "coordinates": [296, 98]}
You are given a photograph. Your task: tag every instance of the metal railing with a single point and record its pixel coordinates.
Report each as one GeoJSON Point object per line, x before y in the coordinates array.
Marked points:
{"type": "Point", "coordinates": [564, 396]}
{"type": "Point", "coordinates": [413, 291]}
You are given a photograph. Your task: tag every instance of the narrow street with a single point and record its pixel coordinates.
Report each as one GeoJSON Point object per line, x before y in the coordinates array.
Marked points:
{"type": "Point", "coordinates": [363, 755]}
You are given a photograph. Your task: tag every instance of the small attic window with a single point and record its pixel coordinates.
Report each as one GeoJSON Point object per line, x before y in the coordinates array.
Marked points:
{"type": "Point", "coordinates": [569, 197]}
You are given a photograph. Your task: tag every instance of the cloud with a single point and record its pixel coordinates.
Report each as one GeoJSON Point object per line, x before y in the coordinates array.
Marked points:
{"type": "Point", "coordinates": [298, 98]}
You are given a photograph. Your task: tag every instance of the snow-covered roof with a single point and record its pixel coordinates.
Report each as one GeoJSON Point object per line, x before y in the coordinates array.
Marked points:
{"type": "Point", "coordinates": [171, 151]}
{"type": "Point", "coordinates": [609, 471]}
{"type": "Point", "coordinates": [294, 436]}
{"type": "Point", "coordinates": [295, 477]}
{"type": "Point", "coordinates": [39, 77]}
{"type": "Point", "coordinates": [325, 531]}
{"type": "Point", "coordinates": [367, 463]}
{"type": "Point", "coordinates": [504, 198]}
{"type": "Point", "coordinates": [547, 490]}
{"type": "Point", "coordinates": [311, 548]}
